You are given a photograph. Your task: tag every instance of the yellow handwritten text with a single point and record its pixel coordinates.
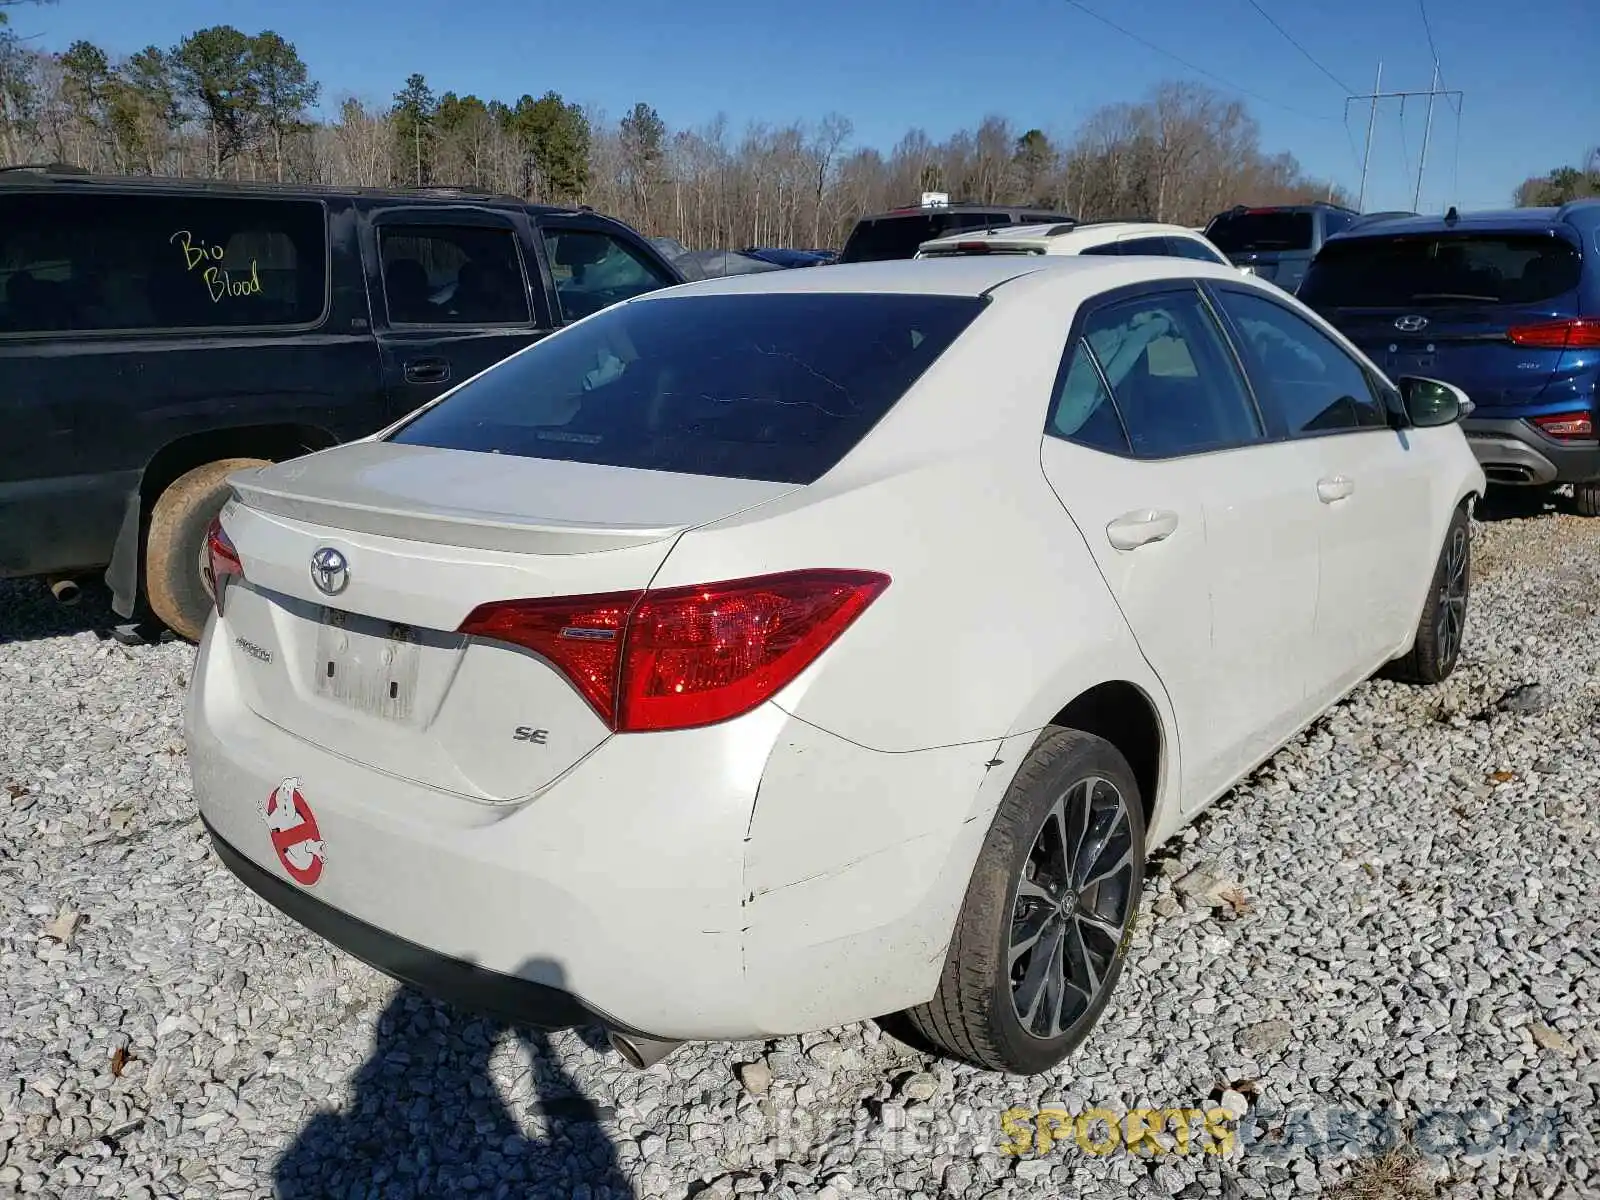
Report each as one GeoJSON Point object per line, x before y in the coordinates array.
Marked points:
{"type": "Point", "coordinates": [220, 283]}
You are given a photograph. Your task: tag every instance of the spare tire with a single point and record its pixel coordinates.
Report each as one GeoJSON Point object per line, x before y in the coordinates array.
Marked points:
{"type": "Point", "coordinates": [173, 547]}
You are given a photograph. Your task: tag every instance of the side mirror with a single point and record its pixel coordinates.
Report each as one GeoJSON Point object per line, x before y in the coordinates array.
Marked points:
{"type": "Point", "coordinates": [1431, 402]}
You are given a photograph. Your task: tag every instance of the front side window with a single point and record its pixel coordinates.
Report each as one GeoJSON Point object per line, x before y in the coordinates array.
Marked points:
{"type": "Point", "coordinates": [594, 270]}
{"type": "Point", "coordinates": [79, 263]}
{"type": "Point", "coordinates": [773, 386]}
{"type": "Point", "coordinates": [452, 275]}
{"type": "Point", "coordinates": [1173, 382]}
{"type": "Point", "coordinates": [1300, 371]}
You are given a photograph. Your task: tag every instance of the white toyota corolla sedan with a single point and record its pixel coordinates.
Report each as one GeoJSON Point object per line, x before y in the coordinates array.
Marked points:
{"type": "Point", "coordinates": [777, 651]}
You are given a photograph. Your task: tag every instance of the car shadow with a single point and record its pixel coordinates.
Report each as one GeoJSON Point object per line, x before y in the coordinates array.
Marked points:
{"type": "Point", "coordinates": [427, 1119]}
{"type": "Point", "coordinates": [1517, 503]}
{"type": "Point", "coordinates": [28, 612]}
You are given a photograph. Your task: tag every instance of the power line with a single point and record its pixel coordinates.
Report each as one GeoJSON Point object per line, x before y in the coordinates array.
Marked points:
{"type": "Point", "coordinates": [1199, 70]}
{"type": "Point", "coordinates": [1310, 58]}
{"type": "Point", "coordinates": [1422, 7]}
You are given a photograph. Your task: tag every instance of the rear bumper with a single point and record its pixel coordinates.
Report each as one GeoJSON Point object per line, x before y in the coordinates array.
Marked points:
{"type": "Point", "coordinates": [1514, 452]}
{"type": "Point", "coordinates": [750, 879]}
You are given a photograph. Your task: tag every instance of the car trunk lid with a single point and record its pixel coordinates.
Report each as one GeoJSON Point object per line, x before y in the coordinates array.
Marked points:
{"type": "Point", "coordinates": [365, 661]}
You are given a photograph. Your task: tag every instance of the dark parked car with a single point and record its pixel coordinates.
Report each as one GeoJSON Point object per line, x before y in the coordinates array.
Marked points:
{"type": "Point", "coordinates": [1506, 306]}
{"type": "Point", "coordinates": [157, 335]}
{"type": "Point", "coordinates": [899, 232]}
{"type": "Point", "coordinates": [1277, 243]}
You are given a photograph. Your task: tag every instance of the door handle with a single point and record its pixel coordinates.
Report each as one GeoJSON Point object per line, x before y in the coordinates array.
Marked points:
{"type": "Point", "coordinates": [427, 370]}
{"type": "Point", "coordinates": [1335, 488]}
{"type": "Point", "coordinates": [1146, 525]}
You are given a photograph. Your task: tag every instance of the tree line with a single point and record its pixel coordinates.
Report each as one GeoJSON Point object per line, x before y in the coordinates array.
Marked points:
{"type": "Point", "coordinates": [1563, 184]}
{"type": "Point", "coordinates": [224, 103]}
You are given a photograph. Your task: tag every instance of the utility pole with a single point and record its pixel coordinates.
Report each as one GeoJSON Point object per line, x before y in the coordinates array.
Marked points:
{"type": "Point", "coordinates": [1427, 128]}
{"type": "Point", "coordinates": [1377, 94]}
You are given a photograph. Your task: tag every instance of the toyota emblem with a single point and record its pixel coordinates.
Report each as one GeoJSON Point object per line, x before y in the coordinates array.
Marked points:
{"type": "Point", "coordinates": [1410, 324]}
{"type": "Point", "coordinates": [329, 571]}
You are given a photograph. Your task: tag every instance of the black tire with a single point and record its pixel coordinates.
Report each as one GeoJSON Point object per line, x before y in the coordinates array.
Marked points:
{"type": "Point", "coordinates": [1444, 617]}
{"type": "Point", "coordinates": [974, 1015]}
{"type": "Point", "coordinates": [172, 581]}
{"type": "Point", "coordinates": [1586, 499]}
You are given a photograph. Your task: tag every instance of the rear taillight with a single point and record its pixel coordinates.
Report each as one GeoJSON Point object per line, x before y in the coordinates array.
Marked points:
{"type": "Point", "coordinates": [1581, 333]}
{"type": "Point", "coordinates": [678, 658]}
{"type": "Point", "coordinates": [222, 562]}
{"type": "Point", "coordinates": [1567, 425]}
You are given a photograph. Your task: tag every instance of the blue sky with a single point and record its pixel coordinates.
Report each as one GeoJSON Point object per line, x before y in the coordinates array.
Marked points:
{"type": "Point", "coordinates": [1532, 98]}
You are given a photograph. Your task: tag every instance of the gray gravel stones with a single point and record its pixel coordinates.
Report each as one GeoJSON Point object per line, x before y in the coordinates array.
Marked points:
{"type": "Point", "coordinates": [1416, 929]}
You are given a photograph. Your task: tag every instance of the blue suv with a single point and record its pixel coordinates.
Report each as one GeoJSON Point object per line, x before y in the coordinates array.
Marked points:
{"type": "Point", "coordinates": [1506, 306]}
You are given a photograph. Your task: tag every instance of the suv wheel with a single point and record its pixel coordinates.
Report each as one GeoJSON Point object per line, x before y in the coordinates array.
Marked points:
{"type": "Point", "coordinates": [1586, 498]}
{"type": "Point", "coordinates": [1049, 912]}
{"type": "Point", "coordinates": [1444, 617]}
{"type": "Point", "coordinates": [172, 554]}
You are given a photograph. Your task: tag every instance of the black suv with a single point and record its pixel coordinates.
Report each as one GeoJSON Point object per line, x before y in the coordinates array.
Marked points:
{"type": "Point", "coordinates": [1277, 243]}
{"type": "Point", "coordinates": [899, 232]}
{"type": "Point", "coordinates": [157, 335]}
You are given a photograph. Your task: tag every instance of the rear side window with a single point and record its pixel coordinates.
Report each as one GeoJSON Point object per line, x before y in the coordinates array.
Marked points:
{"type": "Point", "coordinates": [752, 386]}
{"type": "Point", "coordinates": [1156, 246]}
{"type": "Point", "coordinates": [880, 239]}
{"type": "Point", "coordinates": [453, 275]}
{"type": "Point", "coordinates": [95, 263]}
{"type": "Point", "coordinates": [1172, 379]}
{"type": "Point", "coordinates": [1422, 271]}
{"type": "Point", "coordinates": [1260, 230]}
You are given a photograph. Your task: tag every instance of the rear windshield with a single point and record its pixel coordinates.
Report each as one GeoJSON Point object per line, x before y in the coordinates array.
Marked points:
{"type": "Point", "coordinates": [879, 239]}
{"type": "Point", "coordinates": [1260, 232]}
{"type": "Point", "coordinates": [769, 386]}
{"type": "Point", "coordinates": [1423, 270]}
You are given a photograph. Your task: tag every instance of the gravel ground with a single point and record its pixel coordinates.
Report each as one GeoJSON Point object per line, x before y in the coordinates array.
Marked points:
{"type": "Point", "coordinates": [1380, 953]}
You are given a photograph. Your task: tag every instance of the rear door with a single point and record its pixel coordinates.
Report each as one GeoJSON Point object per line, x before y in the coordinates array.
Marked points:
{"type": "Point", "coordinates": [1203, 531]}
{"type": "Point", "coordinates": [1443, 305]}
{"type": "Point", "coordinates": [453, 293]}
{"type": "Point", "coordinates": [1372, 485]}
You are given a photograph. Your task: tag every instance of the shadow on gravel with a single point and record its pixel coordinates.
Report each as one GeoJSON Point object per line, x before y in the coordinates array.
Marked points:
{"type": "Point", "coordinates": [28, 612]}
{"type": "Point", "coordinates": [1516, 503]}
{"type": "Point", "coordinates": [428, 1120]}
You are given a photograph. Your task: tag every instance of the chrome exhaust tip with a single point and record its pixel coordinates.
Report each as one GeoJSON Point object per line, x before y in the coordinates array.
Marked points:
{"type": "Point", "coordinates": [640, 1053]}
{"type": "Point", "coordinates": [66, 591]}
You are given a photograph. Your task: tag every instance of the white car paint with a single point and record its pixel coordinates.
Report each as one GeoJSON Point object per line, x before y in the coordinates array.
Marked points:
{"type": "Point", "coordinates": [1064, 239]}
{"type": "Point", "coordinates": [801, 865]}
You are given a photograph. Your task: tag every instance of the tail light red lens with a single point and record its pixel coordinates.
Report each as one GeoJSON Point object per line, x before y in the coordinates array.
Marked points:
{"type": "Point", "coordinates": [1580, 334]}
{"type": "Point", "coordinates": [1567, 425]}
{"type": "Point", "coordinates": [680, 658]}
{"type": "Point", "coordinates": [222, 562]}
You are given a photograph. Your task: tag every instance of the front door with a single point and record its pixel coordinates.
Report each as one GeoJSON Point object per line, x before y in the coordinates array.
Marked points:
{"type": "Point", "coordinates": [1200, 528]}
{"type": "Point", "coordinates": [453, 293]}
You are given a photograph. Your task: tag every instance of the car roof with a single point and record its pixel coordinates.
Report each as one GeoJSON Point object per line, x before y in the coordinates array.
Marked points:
{"type": "Point", "coordinates": [970, 276]}
{"type": "Point", "coordinates": [1505, 219]}
{"type": "Point", "coordinates": [57, 177]}
{"type": "Point", "coordinates": [1060, 237]}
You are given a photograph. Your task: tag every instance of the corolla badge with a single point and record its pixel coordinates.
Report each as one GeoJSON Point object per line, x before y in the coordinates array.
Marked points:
{"type": "Point", "coordinates": [1410, 324]}
{"type": "Point", "coordinates": [329, 571]}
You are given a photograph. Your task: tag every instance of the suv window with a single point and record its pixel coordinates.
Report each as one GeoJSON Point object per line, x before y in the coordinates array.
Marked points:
{"type": "Point", "coordinates": [776, 386]}
{"type": "Point", "coordinates": [1429, 270]}
{"type": "Point", "coordinates": [1261, 229]}
{"type": "Point", "coordinates": [1172, 379]}
{"type": "Point", "coordinates": [1145, 245]}
{"type": "Point", "coordinates": [1298, 370]}
{"type": "Point", "coordinates": [878, 239]}
{"type": "Point", "coordinates": [452, 275]}
{"type": "Point", "coordinates": [594, 270]}
{"type": "Point", "coordinates": [78, 263]}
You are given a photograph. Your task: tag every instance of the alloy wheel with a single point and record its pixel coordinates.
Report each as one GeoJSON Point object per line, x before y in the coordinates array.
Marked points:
{"type": "Point", "coordinates": [1452, 615]}
{"type": "Point", "coordinates": [1071, 908]}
